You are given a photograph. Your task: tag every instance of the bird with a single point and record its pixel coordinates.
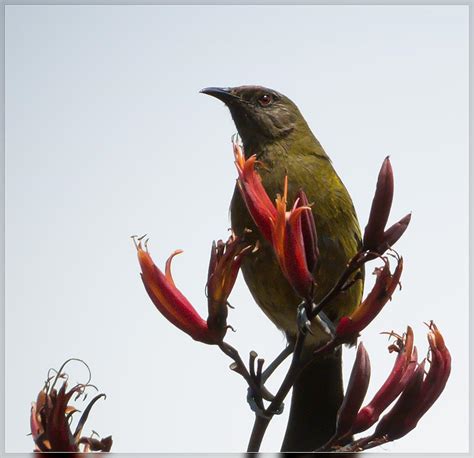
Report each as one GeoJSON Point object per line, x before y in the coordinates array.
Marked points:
{"type": "Point", "coordinates": [272, 127]}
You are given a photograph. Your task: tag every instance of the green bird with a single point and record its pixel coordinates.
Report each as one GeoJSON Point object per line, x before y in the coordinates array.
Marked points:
{"type": "Point", "coordinates": [272, 127]}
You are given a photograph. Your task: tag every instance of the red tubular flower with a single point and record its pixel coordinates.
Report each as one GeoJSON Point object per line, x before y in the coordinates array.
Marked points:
{"type": "Point", "coordinates": [224, 266]}
{"type": "Point", "coordinates": [421, 392]}
{"type": "Point", "coordinates": [50, 419]}
{"type": "Point", "coordinates": [375, 237]}
{"type": "Point", "coordinates": [290, 245]}
{"type": "Point", "coordinates": [393, 424]}
{"type": "Point", "coordinates": [355, 394]}
{"type": "Point", "coordinates": [385, 284]}
{"type": "Point", "coordinates": [440, 369]}
{"type": "Point", "coordinates": [170, 301]}
{"type": "Point", "coordinates": [256, 199]}
{"type": "Point", "coordinates": [291, 233]}
{"type": "Point", "coordinates": [403, 368]}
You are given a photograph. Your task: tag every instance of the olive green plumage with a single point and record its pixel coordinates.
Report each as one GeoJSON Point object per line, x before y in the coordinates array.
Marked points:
{"type": "Point", "coordinates": [272, 127]}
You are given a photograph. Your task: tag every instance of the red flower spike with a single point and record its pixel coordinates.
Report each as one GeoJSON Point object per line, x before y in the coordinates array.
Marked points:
{"type": "Point", "coordinates": [170, 301]}
{"type": "Point", "coordinates": [355, 394]}
{"type": "Point", "coordinates": [403, 368]}
{"type": "Point", "coordinates": [385, 284]}
{"type": "Point", "coordinates": [224, 266]}
{"type": "Point", "coordinates": [258, 203]}
{"type": "Point", "coordinates": [380, 210]}
{"type": "Point", "coordinates": [308, 228]}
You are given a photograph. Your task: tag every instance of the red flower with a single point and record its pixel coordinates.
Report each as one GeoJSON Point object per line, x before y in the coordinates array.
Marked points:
{"type": "Point", "coordinates": [224, 266]}
{"type": "Point", "coordinates": [385, 284]}
{"type": "Point", "coordinates": [291, 233]}
{"type": "Point", "coordinates": [403, 368]}
{"type": "Point", "coordinates": [169, 300]}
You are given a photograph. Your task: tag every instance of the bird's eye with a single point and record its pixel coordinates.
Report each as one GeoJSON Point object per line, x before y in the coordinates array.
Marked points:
{"type": "Point", "coordinates": [265, 100]}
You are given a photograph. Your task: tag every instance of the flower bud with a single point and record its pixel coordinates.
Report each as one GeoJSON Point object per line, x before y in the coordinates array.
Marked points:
{"type": "Point", "coordinates": [380, 210]}
{"type": "Point", "coordinates": [355, 394]}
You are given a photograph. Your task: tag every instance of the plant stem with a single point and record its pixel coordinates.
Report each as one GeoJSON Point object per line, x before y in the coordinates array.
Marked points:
{"type": "Point", "coordinates": [259, 427]}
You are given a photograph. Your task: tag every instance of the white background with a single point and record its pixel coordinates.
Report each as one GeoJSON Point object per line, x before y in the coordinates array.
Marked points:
{"type": "Point", "coordinates": [107, 136]}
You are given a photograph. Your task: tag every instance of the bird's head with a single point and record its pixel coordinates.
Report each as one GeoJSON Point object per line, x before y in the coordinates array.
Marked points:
{"type": "Point", "coordinates": [261, 115]}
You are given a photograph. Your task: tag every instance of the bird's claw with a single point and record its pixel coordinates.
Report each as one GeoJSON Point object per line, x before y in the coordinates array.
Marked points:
{"type": "Point", "coordinates": [304, 324]}
{"type": "Point", "coordinates": [258, 410]}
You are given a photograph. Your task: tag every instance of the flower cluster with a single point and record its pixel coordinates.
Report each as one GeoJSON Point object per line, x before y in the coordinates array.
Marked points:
{"type": "Point", "coordinates": [51, 414]}
{"type": "Point", "coordinates": [293, 237]}
{"type": "Point", "coordinates": [223, 269]}
{"type": "Point", "coordinates": [414, 389]}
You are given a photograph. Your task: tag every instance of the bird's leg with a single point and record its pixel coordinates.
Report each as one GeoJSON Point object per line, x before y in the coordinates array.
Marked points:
{"type": "Point", "coordinates": [302, 319]}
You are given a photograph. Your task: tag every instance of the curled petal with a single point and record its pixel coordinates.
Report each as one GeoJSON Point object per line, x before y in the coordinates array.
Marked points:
{"type": "Point", "coordinates": [168, 275]}
{"type": "Point", "coordinates": [356, 391]}
{"type": "Point", "coordinates": [380, 210]}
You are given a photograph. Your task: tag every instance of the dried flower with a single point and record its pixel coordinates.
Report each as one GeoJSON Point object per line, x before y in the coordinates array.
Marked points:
{"type": "Point", "coordinates": [51, 414]}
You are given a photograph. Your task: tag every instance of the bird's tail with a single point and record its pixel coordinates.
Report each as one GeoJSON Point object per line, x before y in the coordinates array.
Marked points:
{"type": "Point", "coordinates": [317, 396]}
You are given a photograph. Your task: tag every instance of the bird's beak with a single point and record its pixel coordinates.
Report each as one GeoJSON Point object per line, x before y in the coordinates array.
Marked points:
{"type": "Point", "coordinates": [222, 93]}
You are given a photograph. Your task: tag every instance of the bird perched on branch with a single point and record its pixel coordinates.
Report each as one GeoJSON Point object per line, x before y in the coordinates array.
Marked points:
{"type": "Point", "coordinates": [272, 127]}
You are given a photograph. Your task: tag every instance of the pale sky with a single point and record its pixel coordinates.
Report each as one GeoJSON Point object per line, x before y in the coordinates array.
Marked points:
{"type": "Point", "coordinates": [108, 136]}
